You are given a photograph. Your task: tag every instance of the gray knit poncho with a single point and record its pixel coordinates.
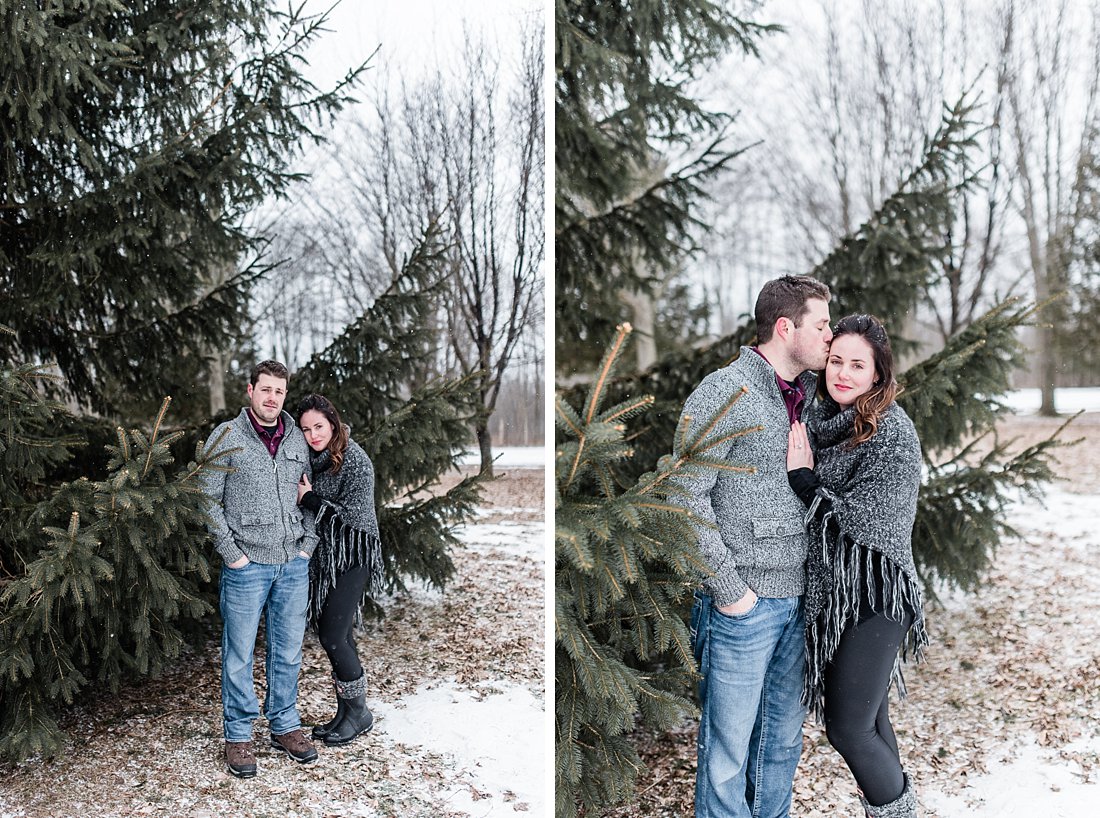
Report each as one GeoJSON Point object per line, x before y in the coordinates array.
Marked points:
{"type": "Point", "coordinates": [347, 525]}
{"type": "Point", "coordinates": [871, 491]}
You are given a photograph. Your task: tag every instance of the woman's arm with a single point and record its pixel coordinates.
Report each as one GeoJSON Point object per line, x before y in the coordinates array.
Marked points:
{"type": "Point", "coordinates": [800, 471]}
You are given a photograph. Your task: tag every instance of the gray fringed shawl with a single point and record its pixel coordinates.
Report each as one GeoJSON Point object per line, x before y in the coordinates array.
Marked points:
{"type": "Point", "coordinates": [347, 526]}
{"type": "Point", "coordinates": [871, 491]}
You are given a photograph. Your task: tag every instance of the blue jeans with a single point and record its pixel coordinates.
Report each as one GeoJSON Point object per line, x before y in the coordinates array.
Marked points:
{"type": "Point", "coordinates": [750, 730]}
{"type": "Point", "coordinates": [280, 593]}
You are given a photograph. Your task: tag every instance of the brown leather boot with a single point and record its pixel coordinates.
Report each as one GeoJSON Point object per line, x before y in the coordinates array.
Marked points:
{"type": "Point", "coordinates": [239, 758]}
{"type": "Point", "coordinates": [296, 745]}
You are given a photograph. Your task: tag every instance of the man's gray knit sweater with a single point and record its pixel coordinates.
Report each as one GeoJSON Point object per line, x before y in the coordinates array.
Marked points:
{"type": "Point", "coordinates": [255, 512]}
{"type": "Point", "coordinates": [751, 534]}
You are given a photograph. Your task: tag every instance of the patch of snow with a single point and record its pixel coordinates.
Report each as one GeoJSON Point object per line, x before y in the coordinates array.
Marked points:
{"type": "Point", "coordinates": [1070, 516]}
{"type": "Point", "coordinates": [493, 739]}
{"type": "Point", "coordinates": [523, 539]}
{"type": "Point", "coordinates": [1033, 781]}
{"type": "Point", "coordinates": [510, 457]}
{"type": "Point", "coordinates": [1066, 401]}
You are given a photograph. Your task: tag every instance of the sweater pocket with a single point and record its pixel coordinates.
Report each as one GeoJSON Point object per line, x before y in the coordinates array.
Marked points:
{"type": "Point", "coordinates": [778, 543]}
{"type": "Point", "coordinates": [258, 530]}
{"type": "Point", "coordinates": [294, 467]}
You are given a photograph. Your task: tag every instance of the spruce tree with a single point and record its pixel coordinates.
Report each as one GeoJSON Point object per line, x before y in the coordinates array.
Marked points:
{"type": "Point", "coordinates": [623, 100]}
{"type": "Point", "coordinates": [102, 577]}
{"type": "Point", "coordinates": [625, 562]}
{"type": "Point", "coordinates": [135, 139]}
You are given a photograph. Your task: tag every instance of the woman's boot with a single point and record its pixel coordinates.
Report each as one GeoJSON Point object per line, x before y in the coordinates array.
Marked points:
{"type": "Point", "coordinates": [905, 806]}
{"type": "Point", "coordinates": [357, 717]}
{"type": "Point", "coordinates": [322, 730]}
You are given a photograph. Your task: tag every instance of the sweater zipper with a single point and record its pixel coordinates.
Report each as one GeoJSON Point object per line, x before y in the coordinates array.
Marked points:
{"type": "Point", "coordinates": [279, 494]}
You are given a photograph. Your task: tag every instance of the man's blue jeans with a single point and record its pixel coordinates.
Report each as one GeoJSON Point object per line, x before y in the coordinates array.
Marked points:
{"type": "Point", "coordinates": [280, 593]}
{"type": "Point", "coordinates": [750, 731]}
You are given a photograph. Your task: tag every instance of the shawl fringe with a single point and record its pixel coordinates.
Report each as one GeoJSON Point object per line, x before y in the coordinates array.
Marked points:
{"type": "Point", "coordinates": [851, 572]}
{"type": "Point", "coordinates": [341, 548]}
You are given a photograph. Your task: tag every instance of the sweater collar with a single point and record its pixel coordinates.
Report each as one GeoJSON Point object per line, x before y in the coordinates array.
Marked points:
{"type": "Point", "coordinates": [832, 424]}
{"type": "Point", "coordinates": [319, 461]}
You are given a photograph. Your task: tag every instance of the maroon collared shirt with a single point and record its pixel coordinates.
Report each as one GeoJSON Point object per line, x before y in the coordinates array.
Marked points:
{"type": "Point", "coordinates": [271, 436]}
{"type": "Point", "coordinates": [794, 396]}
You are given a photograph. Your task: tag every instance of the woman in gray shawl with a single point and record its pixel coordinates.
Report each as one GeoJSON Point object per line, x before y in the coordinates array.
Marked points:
{"type": "Point", "coordinates": [347, 561]}
{"type": "Point", "coordinates": [863, 598]}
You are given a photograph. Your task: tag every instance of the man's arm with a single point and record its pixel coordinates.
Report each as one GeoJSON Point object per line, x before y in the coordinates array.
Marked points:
{"type": "Point", "coordinates": [213, 484]}
{"type": "Point", "coordinates": [727, 588]}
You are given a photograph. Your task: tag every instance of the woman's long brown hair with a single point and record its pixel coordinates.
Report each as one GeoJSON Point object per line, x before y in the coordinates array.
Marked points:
{"type": "Point", "coordinates": [870, 406]}
{"type": "Point", "coordinates": [339, 442]}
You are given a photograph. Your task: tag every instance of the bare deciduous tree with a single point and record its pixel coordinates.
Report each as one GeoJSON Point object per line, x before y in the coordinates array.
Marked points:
{"type": "Point", "coordinates": [1052, 84]}
{"type": "Point", "coordinates": [866, 87]}
{"type": "Point", "coordinates": [464, 148]}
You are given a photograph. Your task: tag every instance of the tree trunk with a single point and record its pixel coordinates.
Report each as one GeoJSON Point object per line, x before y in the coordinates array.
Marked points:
{"type": "Point", "coordinates": [215, 369]}
{"type": "Point", "coordinates": [485, 445]}
{"type": "Point", "coordinates": [644, 322]}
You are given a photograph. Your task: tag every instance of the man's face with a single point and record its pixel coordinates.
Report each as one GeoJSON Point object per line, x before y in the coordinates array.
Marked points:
{"type": "Point", "coordinates": [266, 398]}
{"type": "Point", "coordinates": [810, 339]}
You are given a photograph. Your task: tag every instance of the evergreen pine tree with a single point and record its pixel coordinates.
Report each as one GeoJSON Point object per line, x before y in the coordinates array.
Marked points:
{"type": "Point", "coordinates": [623, 98]}
{"type": "Point", "coordinates": [102, 576]}
{"type": "Point", "coordinates": [135, 138]}
{"type": "Point", "coordinates": [625, 561]}
{"type": "Point", "coordinates": [411, 425]}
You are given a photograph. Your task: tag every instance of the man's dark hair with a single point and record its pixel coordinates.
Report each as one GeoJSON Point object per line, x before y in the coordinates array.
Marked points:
{"type": "Point", "coordinates": [786, 297]}
{"type": "Point", "coordinates": [272, 368]}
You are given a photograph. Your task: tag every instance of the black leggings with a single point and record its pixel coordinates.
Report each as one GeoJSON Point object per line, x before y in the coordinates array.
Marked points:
{"type": "Point", "coordinates": [336, 625]}
{"type": "Point", "coordinates": [857, 719]}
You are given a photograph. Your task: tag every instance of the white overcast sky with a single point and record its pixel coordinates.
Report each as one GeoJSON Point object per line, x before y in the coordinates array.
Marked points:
{"type": "Point", "coordinates": [413, 33]}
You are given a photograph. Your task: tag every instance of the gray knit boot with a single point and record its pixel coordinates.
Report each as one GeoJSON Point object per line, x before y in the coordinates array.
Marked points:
{"type": "Point", "coordinates": [904, 807]}
{"type": "Point", "coordinates": [357, 716]}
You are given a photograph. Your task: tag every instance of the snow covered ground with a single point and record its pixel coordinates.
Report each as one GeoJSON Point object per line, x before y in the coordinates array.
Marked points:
{"type": "Point", "coordinates": [1022, 778]}
{"type": "Point", "coordinates": [492, 740]}
{"type": "Point", "coordinates": [1066, 401]}
{"type": "Point", "coordinates": [513, 457]}
{"type": "Point", "coordinates": [1031, 781]}
{"type": "Point", "coordinates": [491, 734]}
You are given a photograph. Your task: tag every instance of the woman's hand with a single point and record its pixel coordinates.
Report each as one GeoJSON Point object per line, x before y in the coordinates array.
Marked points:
{"type": "Point", "coordinates": [303, 486]}
{"type": "Point", "coordinates": [799, 455]}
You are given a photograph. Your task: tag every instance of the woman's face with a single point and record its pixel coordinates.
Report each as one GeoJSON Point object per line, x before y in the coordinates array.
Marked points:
{"type": "Point", "coordinates": [317, 429]}
{"type": "Point", "coordinates": [850, 370]}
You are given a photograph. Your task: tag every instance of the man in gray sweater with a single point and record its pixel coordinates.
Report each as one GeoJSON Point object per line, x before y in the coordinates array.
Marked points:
{"type": "Point", "coordinates": [265, 541]}
{"type": "Point", "coordinates": [747, 623]}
